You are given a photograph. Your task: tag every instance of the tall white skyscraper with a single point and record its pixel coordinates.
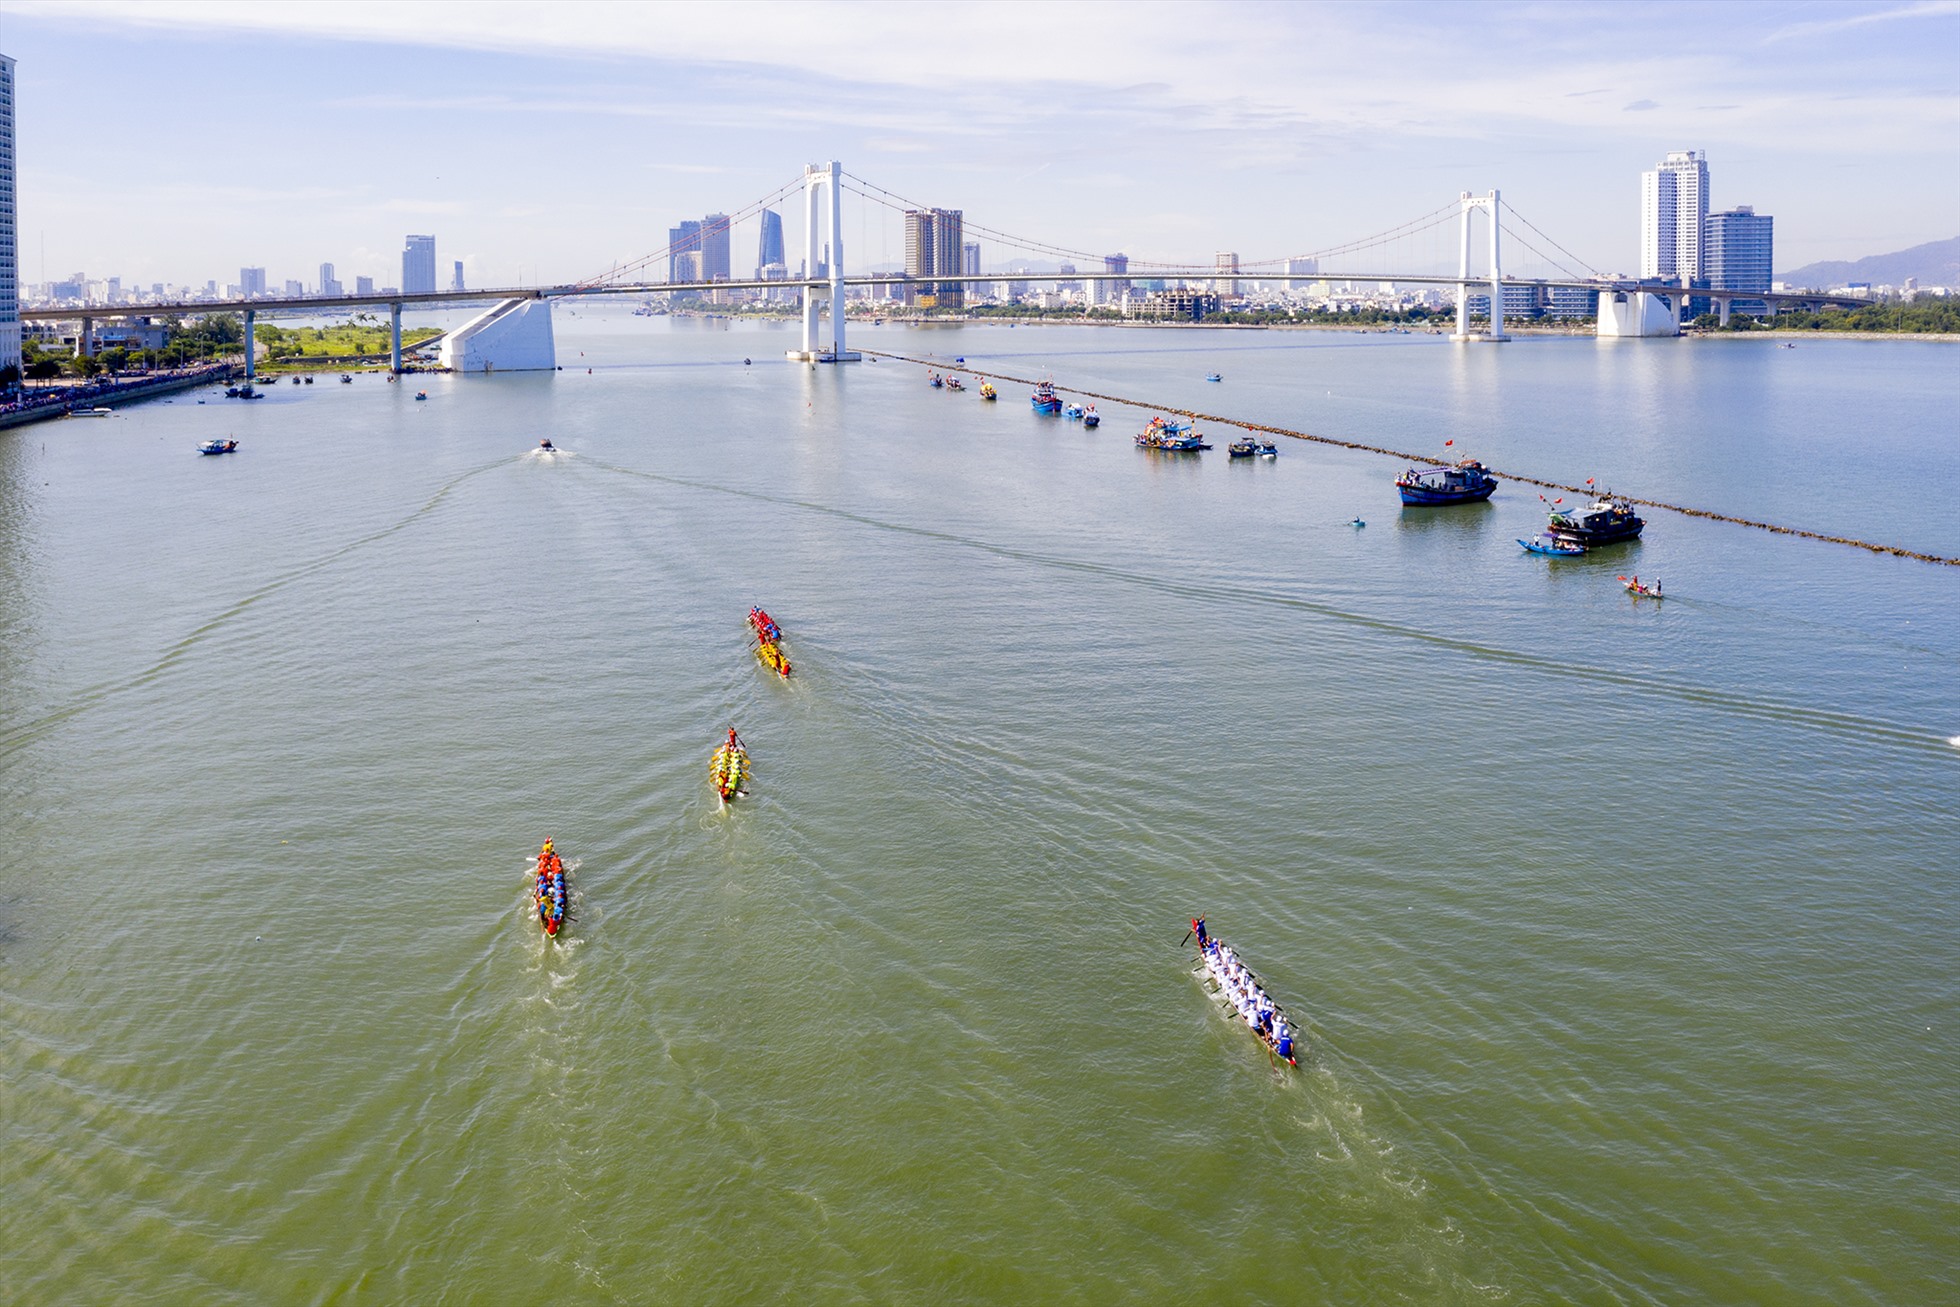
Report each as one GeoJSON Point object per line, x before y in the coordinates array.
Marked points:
{"type": "Point", "coordinates": [1674, 217]}
{"type": "Point", "coordinates": [9, 240]}
{"type": "Point", "coordinates": [419, 266]}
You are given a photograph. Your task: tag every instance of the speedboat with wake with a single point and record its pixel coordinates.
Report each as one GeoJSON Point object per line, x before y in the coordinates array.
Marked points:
{"type": "Point", "coordinates": [549, 894]}
{"type": "Point", "coordinates": [1240, 994]}
{"type": "Point", "coordinates": [729, 769]}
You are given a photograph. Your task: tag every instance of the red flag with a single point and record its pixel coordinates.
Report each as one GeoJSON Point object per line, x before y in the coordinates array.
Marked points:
{"type": "Point", "coordinates": [1588, 480]}
{"type": "Point", "coordinates": [1559, 500]}
{"type": "Point", "coordinates": [1448, 443]}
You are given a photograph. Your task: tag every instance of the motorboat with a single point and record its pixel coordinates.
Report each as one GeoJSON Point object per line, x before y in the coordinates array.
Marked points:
{"type": "Point", "coordinates": [1243, 448]}
{"type": "Point", "coordinates": [421, 394]}
{"type": "Point", "coordinates": [1073, 412]}
{"type": "Point", "coordinates": [218, 447]}
{"type": "Point", "coordinates": [1552, 546]}
{"type": "Point", "coordinates": [1268, 449]}
{"type": "Point", "coordinates": [1092, 419]}
{"type": "Point", "coordinates": [1214, 377]}
{"type": "Point", "coordinates": [1464, 482]}
{"type": "Point", "coordinates": [1607, 521]}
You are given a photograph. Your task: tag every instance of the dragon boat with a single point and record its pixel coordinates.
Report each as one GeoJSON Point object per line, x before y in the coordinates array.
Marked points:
{"type": "Point", "coordinates": [764, 625]}
{"type": "Point", "coordinates": [729, 770]}
{"type": "Point", "coordinates": [1240, 995]}
{"type": "Point", "coordinates": [549, 894]}
{"type": "Point", "coordinates": [773, 658]}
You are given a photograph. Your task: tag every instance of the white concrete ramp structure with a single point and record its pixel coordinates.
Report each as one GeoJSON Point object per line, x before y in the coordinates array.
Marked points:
{"type": "Point", "coordinates": [1637, 313]}
{"type": "Point", "coordinates": [512, 336]}
{"type": "Point", "coordinates": [1489, 204]}
{"type": "Point", "coordinates": [816, 178]}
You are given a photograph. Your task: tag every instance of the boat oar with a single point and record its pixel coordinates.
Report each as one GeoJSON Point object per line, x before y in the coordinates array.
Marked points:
{"type": "Point", "coordinates": [1187, 935]}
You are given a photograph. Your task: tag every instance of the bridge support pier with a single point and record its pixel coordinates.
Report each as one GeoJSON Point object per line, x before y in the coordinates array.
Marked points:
{"type": "Point", "coordinates": [251, 344]}
{"type": "Point", "coordinates": [1492, 208]}
{"type": "Point", "coordinates": [85, 339]}
{"type": "Point", "coordinates": [817, 177]}
{"type": "Point", "coordinates": [395, 339]}
{"type": "Point", "coordinates": [1722, 311]}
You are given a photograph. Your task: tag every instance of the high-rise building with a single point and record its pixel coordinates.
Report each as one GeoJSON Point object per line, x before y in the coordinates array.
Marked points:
{"type": "Point", "coordinates": [935, 246]}
{"type": "Point", "coordinates": [456, 282]}
{"type": "Point", "coordinates": [1673, 217]}
{"type": "Point", "coordinates": [684, 251]}
{"type": "Point", "coordinates": [9, 235]}
{"type": "Point", "coordinates": [364, 285]}
{"type": "Point", "coordinates": [714, 247]}
{"type": "Point", "coordinates": [1740, 247]}
{"type": "Point", "coordinates": [1111, 292]}
{"type": "Point", "coordinates": [1300, 273]}
{"type": "Point", "coordinates": [1227, 281]}
{"type": "Point", "coordinates": [769, 249]}
{"type": "Point", "coordinates": [419, 266]}
{"type": "Point", "coordinates": [329, 288]}
{"type": "Point", "coordinates": [295, 289]}
{"type": "Point", "coordinates": [251, 282]}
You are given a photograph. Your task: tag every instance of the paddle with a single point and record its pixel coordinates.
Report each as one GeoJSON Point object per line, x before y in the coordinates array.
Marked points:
{"type": "Point", "coordinates": [1181, 942]}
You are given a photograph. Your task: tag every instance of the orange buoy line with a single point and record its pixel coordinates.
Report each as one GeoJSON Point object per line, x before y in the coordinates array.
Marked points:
{"type": "Point", "coordinates": [1895, 550]}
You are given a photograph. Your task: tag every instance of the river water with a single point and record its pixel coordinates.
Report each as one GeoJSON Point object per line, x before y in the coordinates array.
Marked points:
{"type": "Point", "coordinates": [1623, 932]}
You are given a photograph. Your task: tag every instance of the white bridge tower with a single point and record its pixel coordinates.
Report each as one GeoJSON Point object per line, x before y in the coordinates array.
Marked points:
{"type": "Point", "coordinates": [1489, 204]}
{"type": "Point", "coordinates": [817, 179]}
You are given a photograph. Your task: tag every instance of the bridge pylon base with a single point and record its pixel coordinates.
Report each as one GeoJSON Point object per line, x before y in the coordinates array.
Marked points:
{"type": "Point", "coordinates": [824, 356]}
{"type": "Point", "coordinates": [1483, 337]}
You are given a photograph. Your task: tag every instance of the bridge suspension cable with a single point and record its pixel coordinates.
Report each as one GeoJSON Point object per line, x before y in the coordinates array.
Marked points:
{"type": "Point", "coordinates": [1512, 211]}
{"type": "Point", "coordinates": [619, 270]}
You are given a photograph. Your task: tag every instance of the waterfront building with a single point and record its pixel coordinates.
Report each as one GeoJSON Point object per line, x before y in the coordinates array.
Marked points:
{"type": "Point", "coordinates": [9, 227]}
{"type": "Point", "coordinates": [1520, 303]}
{"type": "Point", "coordinates": [251, 283]}
{"type": "Point", "coordinates": [1182, 304]}
{"type": "Point", "coordinates": [419, 266]}
{"type": "Point", "coordinates": [364, 285]}
{"type": "Point", "coordinates": [1740, 249]}
{"type": "Point", "coordinates": [1300, 273]}
{"type": "Point", "coordinates": [1673, 217]}
{"type": "Point", "coordinates": [769, 249]}
{"type": "Point", "coordinates": [295, 289]}
{"type": "Point", "coordinates": [1227, 282]}
{"type": "Point", "coordinates": [934, 246]}
{"type": "Point", "coordinates": [329, 287]}
{"type": "Point", "coordinates": [1570, 302]}
{"type": "Point", "coordinates": [684, 251]}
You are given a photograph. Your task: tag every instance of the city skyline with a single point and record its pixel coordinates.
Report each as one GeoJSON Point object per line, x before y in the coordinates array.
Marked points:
{"type": "Point", "coordinates": [1267, 154]}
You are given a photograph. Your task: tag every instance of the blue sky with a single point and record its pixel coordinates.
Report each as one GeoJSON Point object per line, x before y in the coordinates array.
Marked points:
{"type": "Point", "coordinates": [177, 141]}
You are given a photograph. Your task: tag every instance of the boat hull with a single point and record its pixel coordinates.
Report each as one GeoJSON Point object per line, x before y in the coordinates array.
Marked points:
{"type": "Point", "coordinates": [1427, 497]}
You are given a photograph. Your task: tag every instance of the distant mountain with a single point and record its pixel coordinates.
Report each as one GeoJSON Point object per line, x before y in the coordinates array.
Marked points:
{"type": "Point", "coordinates": [1936, 263]}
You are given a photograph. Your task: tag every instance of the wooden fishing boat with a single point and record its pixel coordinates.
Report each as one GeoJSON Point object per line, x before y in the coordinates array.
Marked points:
{"type": "Point", "coordinates": [1640, 589]}
{"type": "Point", "coordinates": [1552, 546]}
{"type": "Point", "coordinates": [218, 447]}
{"type": "Point", "coordinates": [1467, 482]}
{"type": "Point", "coordinates": [1607, 521]}
{"type": "Point", "coordinates": [1044, 399]}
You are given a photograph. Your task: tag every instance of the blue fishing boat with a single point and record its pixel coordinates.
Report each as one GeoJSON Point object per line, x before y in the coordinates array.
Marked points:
{"type": "Point", "coordinates": [1552, 547]}
{"type": "Point", "coordinates": [1168, 437]}
{"type": "Point", "coordinates": [1466, 482]}
{"type": "Point", "coordinates": [1242, 448]}
{"type": "Point", "coordinates": [1073, 412]}
{"type": "Point", "coordinates": [933, 380]}
{"type": "Point", "coordinates": [1044, 399]}
{"type": "Point", "coordinates": [1268, 449]}
{"type": "Point", "coordinates": [1092, 418]}
{"type": "Point", "coordinates": [218, 447]}
{"type": "Point", "coordinates": [1608, 521]}
{"type": "Point", "coordinates": [1214, 377]}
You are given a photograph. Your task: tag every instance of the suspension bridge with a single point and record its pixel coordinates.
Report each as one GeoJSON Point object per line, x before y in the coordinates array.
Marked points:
{"type": "Point", "coordinates": [514, 332]}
